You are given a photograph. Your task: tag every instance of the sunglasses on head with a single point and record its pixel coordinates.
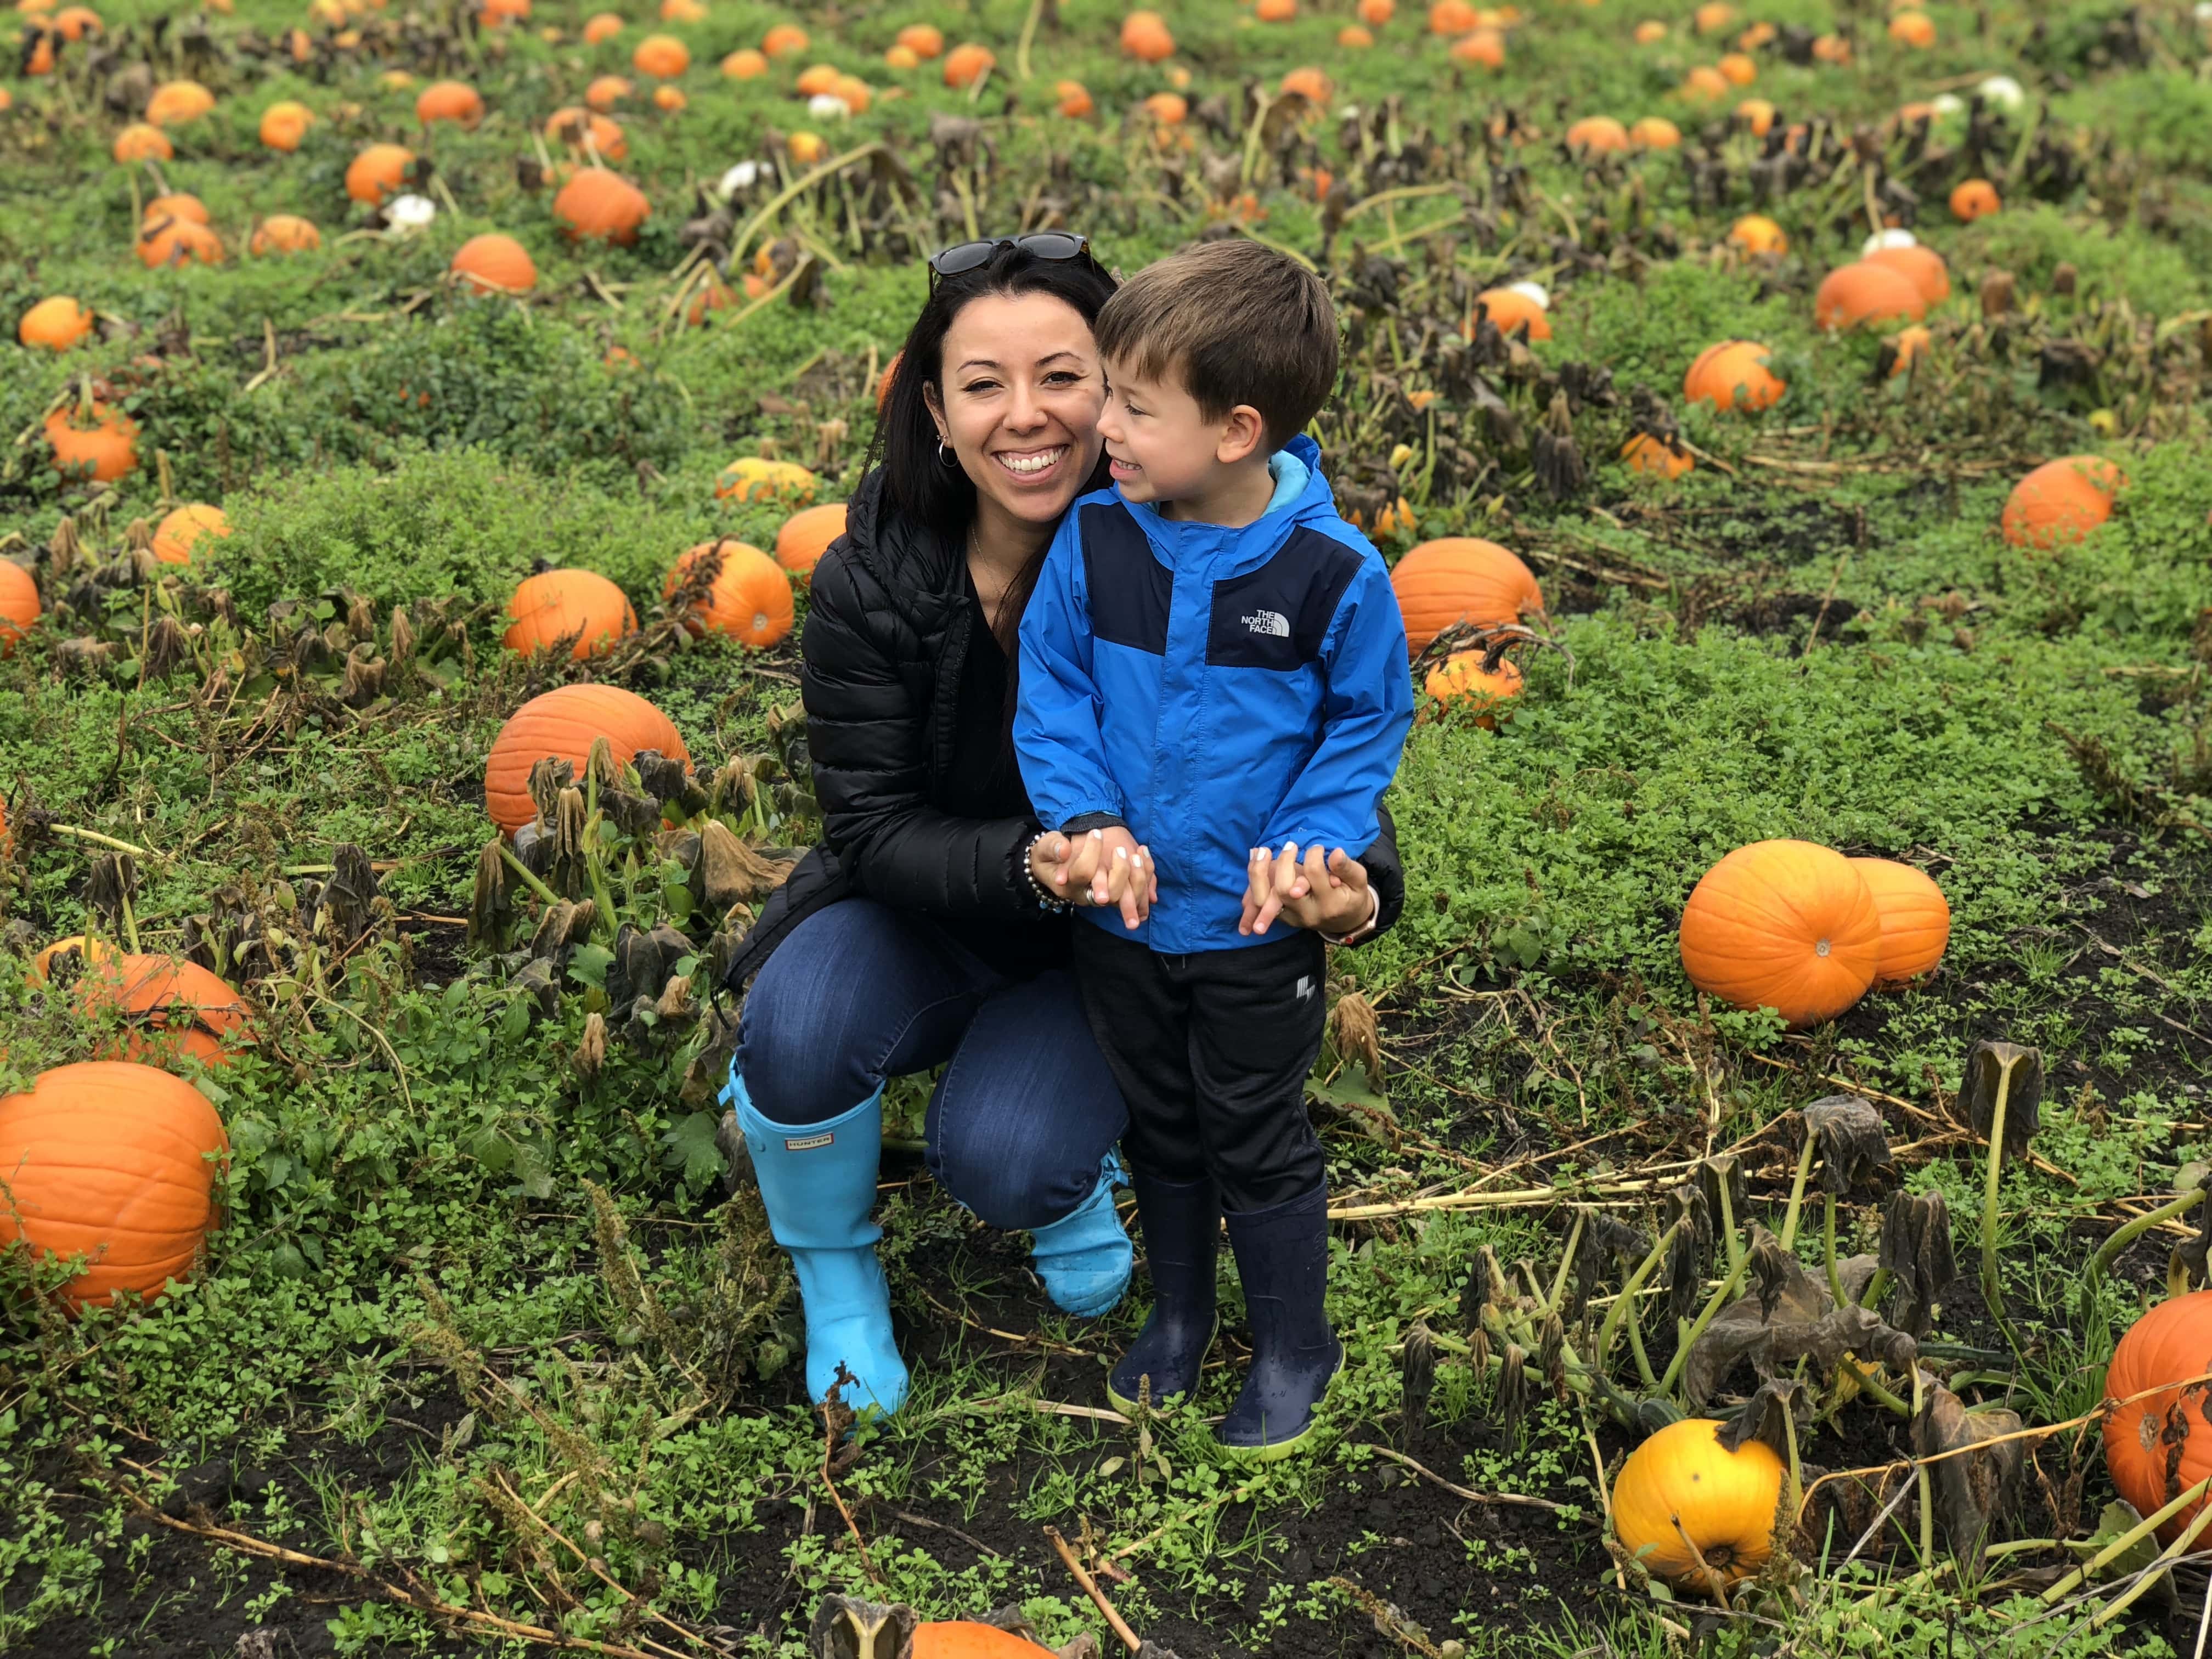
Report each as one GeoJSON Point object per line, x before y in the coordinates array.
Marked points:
{"type": "Point", "coordinates": [963, 257]}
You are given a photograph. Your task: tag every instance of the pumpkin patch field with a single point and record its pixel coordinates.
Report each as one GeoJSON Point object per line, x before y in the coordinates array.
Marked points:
{"type": "Point", "coordinates": [1768, 1155]}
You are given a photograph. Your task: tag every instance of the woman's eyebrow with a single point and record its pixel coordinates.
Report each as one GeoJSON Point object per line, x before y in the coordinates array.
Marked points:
{"type": "Point", "coordinates": [980, 362]}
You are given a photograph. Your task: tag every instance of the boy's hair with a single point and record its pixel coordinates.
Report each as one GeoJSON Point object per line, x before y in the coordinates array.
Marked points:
{"type": "Point", "coordinates": [1237, 322]}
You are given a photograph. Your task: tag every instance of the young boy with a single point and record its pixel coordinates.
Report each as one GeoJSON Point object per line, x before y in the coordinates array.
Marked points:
{"type": "Point", "coordinates": [1212, 663]}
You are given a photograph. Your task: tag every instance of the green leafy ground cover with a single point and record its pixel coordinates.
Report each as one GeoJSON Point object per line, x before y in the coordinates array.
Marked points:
{"type": "Point", "coordinates": [482, 1331]}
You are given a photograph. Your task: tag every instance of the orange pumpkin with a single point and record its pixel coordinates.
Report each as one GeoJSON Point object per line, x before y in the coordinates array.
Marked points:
{"type": "Point", "coordinates": [1460, 578]}
{"type": "Point", "coordinates": [1757, 234]}
{"type": "Point", "coordinates": [1785, 925]}
{"type": "Point", "coordinates": [1512, 310]}
{"type": "Point", "coordinates": [1921, 265]}
{"type": "Point", "coordinates": [922, 39]}
{"type": "Point", "coordinates": [1913, 28]}
{"type": "Point", "coordinates": [1713, 16]}
{"type": "Point", "coordinates": [2163, 1350]}
{"type": "Point", "coordinates": [185, 1008]}
{"type": "Point", "coordinates": [140, 142]}
{"type": "Point", "coordinates": [1597, 132]}
{"type": "Point", "coordinates": [284, 125]}
{"type": "Point", "coordinates": [76, 945]}
{"type": "Point", "coordinates": [1649, 33]}
{"type": "Point", "coordinates": [608, 90]}
{"type": "Point", "coordinates": [900, 57]}
{"type": "Point", "coordinates": [752, 477]}
{"type": "Point", "coordinates": [1656, 133]}
{"type": "Point", "coordinates": [177, 204]}
{"type": "Point", "coordinates": [378, 172]}
{"type": "Point", "coordinates": [1376, 12]}
{"type": "Point", "coordinates": [1354, 38]}
{"type": "Point", "coordinates": [663, 57]}
{"type": "Point", "coordinates": [19, 608]}
{"type": "Point", "coordinates": [1756, 115]}
{"type": "Point", "coordinates": [561, 724]}
{"type": "Point", "coordinates": [1144, 37]}
{"type": "Point", "coordinates": [56, 323]}
{"type": "Point", "coordinates": [173, 241]}
{"type": "Point", "coordinates": [1862, 293]}
{"type": "Point", "coordinates": [1647, 454]}
{"type": "Point", "coordinates": [175, 103]}
{"type": "Point", "coordinates": [555, 605]}
{"type": "Point", "coordinates": [1072, 99]}
{"type": "Point", "coordinates": [961, 1638]}
{"type": "Point", "coordinates": [602, 25]}
{"type": "Point", "coordinates": [783, 40]}
{"type": "Point", "coordinates": [285, 233]}
{"type": "Point", "coordinates": [1311, 84]}
{"type": "Point", "coordinates": [73, 23]}
{"type": "Point", "coordinates": [2062, 501]}
{"type": "Point", "coordinates": [806, 537]}
{"type": "Point", "coordinates": [1704, 85]}
{"type": "Point", "coordinates": [450, 100]}
{"type": "Point", "coordinates": [1275, 11]}
{"type": "Point", "coordinates": [816, 80]}
{"type": "Point", "coordinates": [115, 1162]}
{"type": "Point", "coordinates": [751, 598]}
{"type": "Point", "coordinates": [1460, 679]}
{"type": "Point", "coordinates": [105, 451]}
{"type": "Point", "coordinates": [745, 64]}
{"type": "Point", "coordinates": [1975, 199]}
{"type": "Point", "coordinates": [1734, 375]}
{"type": "Point", "coordinates": [1912, 344]}
{"type": "Point", "coordinates": [493, 263]}
{"type": "Point", "coordinates": [1916, 918]}
{"type": "Point", "coordinates": [596, 205]}
{"type": "Point", "coordinates": [183, 528]}
{"type": "Point", "coordinates": [1485, 47]}
{"type": "Point", "coordinates": [587, 130]}
{"type": "Point", "coordinates": [1169, 109]}
{"type": "Point", "coordinates": [1451, 17]}
{"type": "Point", "coordinates": [966, 65]}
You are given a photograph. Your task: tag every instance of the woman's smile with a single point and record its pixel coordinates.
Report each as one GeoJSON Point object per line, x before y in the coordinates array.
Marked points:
{"type": "Point", "coordinates": [1030, 466]}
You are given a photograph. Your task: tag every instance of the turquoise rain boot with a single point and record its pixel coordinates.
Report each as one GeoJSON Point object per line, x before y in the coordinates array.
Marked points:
{"type": "Point", "coordinates": [818, 1183]}
{"type": "Point", "coordinates": [1084, 1257]}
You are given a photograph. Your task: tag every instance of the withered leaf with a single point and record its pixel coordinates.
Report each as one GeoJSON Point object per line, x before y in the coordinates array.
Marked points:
{"type": "Point", "coordinates": [1972, 1489]}
{"type": "Point", "coordinates": [1853, 1142]}
{"type": "Point", "coordinates": [1771, 1416]}
{"type": "Point", "coordinates": [1417, 1371]}
{"type": "Point", "coordinates": [1724, 1174]}
{"type": "Point", "coordinates": [548, 778]}
{"type": "Point", "coordinates": [2013, 1072]}
{"type": "Point", "coordinates": [1799, 1321]}
{"type": "Point", "coordinates": [1485, 1279]}
{"type": "Point", "coordinates": [845, 1627]}
{"type": "Point", "coordinates": [1512, 1401]}
{"type": "Point", "coordinates": [1916, 1250]}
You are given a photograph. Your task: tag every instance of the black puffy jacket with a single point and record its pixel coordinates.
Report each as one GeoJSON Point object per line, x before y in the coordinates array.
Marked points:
{"type": "Point", "coordinates": [888, 626]}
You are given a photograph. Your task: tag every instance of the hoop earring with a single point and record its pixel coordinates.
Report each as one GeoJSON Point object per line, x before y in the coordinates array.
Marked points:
{"type": "Point", "coordinates": [946, 458]}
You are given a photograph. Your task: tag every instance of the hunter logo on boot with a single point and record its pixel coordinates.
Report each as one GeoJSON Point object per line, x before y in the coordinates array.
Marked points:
{"type": "Point", "coordinates": [809, 1143]}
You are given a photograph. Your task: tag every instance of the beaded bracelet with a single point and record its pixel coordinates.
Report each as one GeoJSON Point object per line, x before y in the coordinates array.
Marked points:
{"type": "Point", "coordinates": [1046, 902]}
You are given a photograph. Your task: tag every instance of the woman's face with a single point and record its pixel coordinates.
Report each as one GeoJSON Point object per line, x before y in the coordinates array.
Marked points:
{"type": "Point", "coordinates": [1018, 404]}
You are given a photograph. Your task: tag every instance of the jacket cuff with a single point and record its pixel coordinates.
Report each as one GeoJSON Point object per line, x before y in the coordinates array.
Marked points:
{"type": "Point", "coordinates": [1090, 821]}
{"type": "Point", "coordinates": [1386, 874]}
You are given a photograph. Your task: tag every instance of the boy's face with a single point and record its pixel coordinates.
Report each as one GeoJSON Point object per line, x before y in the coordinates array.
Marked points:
{"type": "Point", "coordinates": [1160, 446]}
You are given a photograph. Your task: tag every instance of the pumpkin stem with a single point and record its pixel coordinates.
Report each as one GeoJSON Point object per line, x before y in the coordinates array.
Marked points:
{"type": "Point", "coordinates": [1623, 1304]}
{"type": "Point", "coordinates": [1992, 1291]}
{"type": "Point", "coordinates": [1798, 1191]}
{"type": "Point", "coordinates": [1728, 1286]}
{"type": "Point", "coordinates": [1927, 1481]}
{"type": "Point", "coordinates": [1828, 1245]}
{"type": "Point", "coordinates": [1558, 1297]}
{"type": "Point", "coordinates": [544, 892]}
{"type": "Point", "coordinates": [2109, 1251]}
{"type": "Point", "coordinates": [1736, 1251]}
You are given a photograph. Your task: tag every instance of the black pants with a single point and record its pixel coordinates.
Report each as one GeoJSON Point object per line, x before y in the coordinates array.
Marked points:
{"type": "Point", "coordinates": [1212, 1050]}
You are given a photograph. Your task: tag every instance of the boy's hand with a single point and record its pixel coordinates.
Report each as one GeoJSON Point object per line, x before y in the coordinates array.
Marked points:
{"type": "Point", "coordinates": [1328, 892]}
{"type": "Point", "coordinates": [1104, 867]}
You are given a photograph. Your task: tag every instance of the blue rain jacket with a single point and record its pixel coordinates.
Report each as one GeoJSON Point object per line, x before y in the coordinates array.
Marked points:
{"type": "Point", "coordinates": [1213, 688]}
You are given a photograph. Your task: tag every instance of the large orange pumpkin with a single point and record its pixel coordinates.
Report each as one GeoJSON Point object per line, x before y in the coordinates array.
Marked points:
{"type": "Point", "coordinates": [1144, 36]}
{"type": "Point", "coordinates": [750, 599]}
{"type": "Point", "coordinates": [554, 605]}
{"type": "Point", "coordinates": [663, 57]}
{"type": "Point", "coordinates": [56, 323]}
{"type": "Point", "coordinates": [285, 233]}
{"type": "Point", "coordinates": [185, 1008]}
{"type": "Point", "coordinates": [183, 528]}
{"type": "Point", "coordinates": [1597, 132]}
{"type": "Point", "coordinates": [806, 537]}
{"type": "Point", "coordinates": [493, 263]}
{"type": "Point", "coordinates": [1785, 925]}
{"type": "Point", "coordinates": [108, 448]}
{"type": "Point", "coordinates": [1863, 292]}
{"type": "Point", "coordinates": [450, 100]}
{"type": "Point", "coordinates": [1916, 918]}
{"type": "Point", "coordinates": [922, 39]}
{"type": "Point", "coordinates": [598, 206]}
{"type": "Point", "coordinates": [113, 1162]}
{"type": "Point", "coordinates": [1461, 579]}
{"type": "Point", "coordinates": [379, 173]}
{"type": "Point", "coordinates": [171, 241]}
{"type": "Point", "coordinates": [1734, 375]}
{"type": "Point", "coordinates": [2062, 501]}
{"type": "Point", "coordinates": [1683, 1484]}
{"type": "Point", "coordinates": [19, 606]}
{"type": "Point", "coordinates": [1511, 309]}
{"type": "Point", "coordinates": [284, 125]}
{"type": "Point", "coordinates": [175, 103]}
{"type": "Point", "coordinates": [142, 140]}
{"type": "Point", "coordinates": [1920, 263]}
{"type": "Point", "coordinates": [561, 724]}
{"type": "Point", "coordinates": [967, 63]}
{"type": "Point", "coordinates": [2170, 1344]}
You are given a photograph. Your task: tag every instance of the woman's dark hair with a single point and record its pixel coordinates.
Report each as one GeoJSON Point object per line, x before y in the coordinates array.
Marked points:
{"type": "Point", "coordinates": [942, 498]}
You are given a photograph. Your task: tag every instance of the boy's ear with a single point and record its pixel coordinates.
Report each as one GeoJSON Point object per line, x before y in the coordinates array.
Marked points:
{"type": "Point", "coordinates": [1242, 432]}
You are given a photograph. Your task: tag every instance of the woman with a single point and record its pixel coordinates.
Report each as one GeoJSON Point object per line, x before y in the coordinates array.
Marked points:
{"type": "Point", "coordinates": [926, 930]}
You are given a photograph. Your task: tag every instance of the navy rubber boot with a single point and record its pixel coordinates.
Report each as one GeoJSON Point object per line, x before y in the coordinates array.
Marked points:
{"type": "Point", "coordinates": [1182, 1229]}
{"type": "Point", "coordinates": [817, 1182]}
{"type": "Point", "coordinates": [1084, 1257]}
{"type": "Point", "coordinates": [1282, 1257]}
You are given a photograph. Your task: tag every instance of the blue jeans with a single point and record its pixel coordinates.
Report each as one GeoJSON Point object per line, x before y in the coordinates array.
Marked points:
{"type": "Point", "coordinates": [858, 993]}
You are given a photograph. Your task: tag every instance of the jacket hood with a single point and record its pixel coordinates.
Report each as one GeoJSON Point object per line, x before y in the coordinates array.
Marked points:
{"type": "Point", "coordinates": [904, 557]}
{"type": "Point", "coordinates": [1311, 501]}
{"type": "Point", "coordinates": [1317, 499]}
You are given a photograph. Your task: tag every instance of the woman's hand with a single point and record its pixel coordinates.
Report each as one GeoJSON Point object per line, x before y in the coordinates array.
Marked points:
{"type": "Point", "coordinates": [1327, 893]}
{"type": "Point", "coordinates": [1103, 868]}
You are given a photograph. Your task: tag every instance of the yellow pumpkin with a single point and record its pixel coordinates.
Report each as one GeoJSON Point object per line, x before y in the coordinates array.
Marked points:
{"type": "Point", "coordinates": [1683, 1483]}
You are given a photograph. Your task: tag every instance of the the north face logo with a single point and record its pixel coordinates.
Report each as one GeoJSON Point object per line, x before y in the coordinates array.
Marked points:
{"type": "Point", "coordinates": [1273, 622]}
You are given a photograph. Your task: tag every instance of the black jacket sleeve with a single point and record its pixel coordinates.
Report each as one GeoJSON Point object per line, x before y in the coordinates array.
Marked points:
{"type": "Point", "coordinates": [1385, 873]}
{"type": "Point", "coordinates": [867, 731]}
